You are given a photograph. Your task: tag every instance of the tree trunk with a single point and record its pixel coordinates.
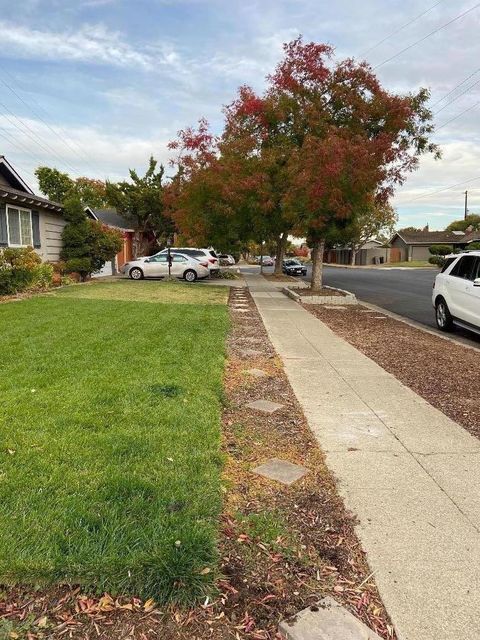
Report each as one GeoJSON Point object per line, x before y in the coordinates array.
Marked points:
{"type": "Point", "coordinates": [353, 255]}
{"type": "Point", "coordinates": [318, 250]}
{"type": "Point", "coordinates": [281, 246]}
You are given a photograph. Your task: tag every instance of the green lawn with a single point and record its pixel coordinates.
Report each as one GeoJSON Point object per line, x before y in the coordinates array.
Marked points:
{"type": "Point", "coordinates": [109, 437]}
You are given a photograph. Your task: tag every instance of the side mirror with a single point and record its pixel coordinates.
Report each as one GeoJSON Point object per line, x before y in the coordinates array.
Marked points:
{"type": "Point", "coordinates": [476, 282]}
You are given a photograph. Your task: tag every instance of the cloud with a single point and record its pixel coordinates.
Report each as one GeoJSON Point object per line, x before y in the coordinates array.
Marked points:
{"type": "Point", "coordinates": [93, 44]}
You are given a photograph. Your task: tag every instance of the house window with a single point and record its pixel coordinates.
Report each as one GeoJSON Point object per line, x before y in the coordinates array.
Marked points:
{"type": "Point", "coordinates": [19, 225]}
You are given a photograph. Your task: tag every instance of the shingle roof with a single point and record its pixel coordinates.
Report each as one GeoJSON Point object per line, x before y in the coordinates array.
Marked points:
{"type": "Point", "coordinates": [22, 198]}
{"type": "Point", "coordinates": [437, 237]}
{"type": "Point", "coordinates": [111, 218]}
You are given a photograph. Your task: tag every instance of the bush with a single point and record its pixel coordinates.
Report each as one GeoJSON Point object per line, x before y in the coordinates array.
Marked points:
{"type": "Point", "coordinates": [440, 250]}
{"type": "Point", "coordinates": [43, 276]}
{"type": "Point", "coordinates": [438, 260]}
{"type": "Point", "coordinates": [474, 246]}
{"type": "Point", "coordinates": [22, 270]}
{"type": "Point", "coordinates": [83, 266]}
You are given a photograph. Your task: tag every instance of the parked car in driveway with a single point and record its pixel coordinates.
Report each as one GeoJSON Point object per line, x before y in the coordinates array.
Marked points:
{"type": "Point", "coordinates": [456, 292]}
{"type": "Point", "coordinates": [267, 261]}
{"type": "Point", "coordinates": [183, 266]}
{"type": "Point", "coordinates": [226, 259]}
{"type": "Point", "coordinates": [201, 254]}
{"type": "Point", "coordinates": [293, 267]}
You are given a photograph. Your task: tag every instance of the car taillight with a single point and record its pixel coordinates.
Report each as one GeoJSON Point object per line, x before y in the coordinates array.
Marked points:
{"type": "Point", "coordinates": [213, 260]}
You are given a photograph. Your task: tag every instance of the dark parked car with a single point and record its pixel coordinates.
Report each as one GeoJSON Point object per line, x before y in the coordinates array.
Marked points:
{"type": "Point", "coordinates": [293, 267]}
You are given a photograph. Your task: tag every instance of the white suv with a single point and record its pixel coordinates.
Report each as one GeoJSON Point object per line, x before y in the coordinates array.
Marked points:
{"type": "Point", "coordinates": [456, 292]}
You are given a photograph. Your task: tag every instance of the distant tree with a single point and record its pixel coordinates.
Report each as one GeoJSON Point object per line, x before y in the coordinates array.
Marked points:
{"type": "Point", "coordinates": [370, 223]}
{"type": "Point", "coordinates": [472, 220]}
{"type": "Point", "coordinates": [87, 244]}
{"type": "Point", "coordinates": [141, 201]}
{"type": "Point", "coordinates": [54, 184]}
{"type": "Point", "coordinates": [60, 186]}
{"type": "Point", "coordinates": [410, 230]}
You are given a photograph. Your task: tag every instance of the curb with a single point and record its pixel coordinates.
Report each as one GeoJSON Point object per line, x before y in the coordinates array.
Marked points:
{"type": "Point", "coordinates": [348, 298]}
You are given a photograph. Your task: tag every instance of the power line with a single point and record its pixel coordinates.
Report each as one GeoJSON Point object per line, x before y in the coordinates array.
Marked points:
{"type": "Point", "coordinates": [427, 36]}
{"type": "Point", "coordinates": [61, 137]}
{"type": "Point", "coordinates": [28, 130]}
{"type": "Point", "coordinates": [394, 33]}
{"type": "Point", "coordinates": [432, 193]}
{"type": "Point", "coordinates": [457, 97]}
{"type": "Point", "coordinates": [444, 124]}
{"type": "Point", "coordinates": [455, 88]}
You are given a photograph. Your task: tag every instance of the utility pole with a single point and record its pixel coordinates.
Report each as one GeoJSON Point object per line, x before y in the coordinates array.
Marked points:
{"type": "Point", "coordinates": [466, 204]}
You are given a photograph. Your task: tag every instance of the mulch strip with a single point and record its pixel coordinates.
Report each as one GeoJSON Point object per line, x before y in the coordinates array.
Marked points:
{"type": "Point", "coordinates": [444, 373]}
{"type": "Point", "coordinates": [280, 548]}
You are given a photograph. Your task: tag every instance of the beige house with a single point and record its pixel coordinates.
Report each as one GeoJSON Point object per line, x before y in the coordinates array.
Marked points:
{"type": "Point", "coordinates": [27, 219]}
{"type": "Point", "coordinates": [414, 245]}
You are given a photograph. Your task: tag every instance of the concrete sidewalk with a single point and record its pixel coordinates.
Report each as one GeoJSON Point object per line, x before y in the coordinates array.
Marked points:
{"type": "Point", "coordinates": [410, 474]}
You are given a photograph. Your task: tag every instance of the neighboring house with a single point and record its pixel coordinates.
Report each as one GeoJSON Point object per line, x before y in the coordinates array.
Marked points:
{"type": "Point", "coordinates": [371, 252]}
{"type": "Point", "coordinates": [414, 245]}
{"type": "Point", "coordinates": [27, 219]}
{"type": "Point", "coordinates": [111, 218]}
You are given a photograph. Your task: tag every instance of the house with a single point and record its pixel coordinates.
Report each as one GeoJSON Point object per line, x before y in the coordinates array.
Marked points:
{"type": "Point", "coordinates": [371, 252]}
{"type": "Point", "coordinates": [111, 218]}
{"type": "Point", "coordinates": [414, 245]}
{"type": "Point", "coordinates": [27, 219]}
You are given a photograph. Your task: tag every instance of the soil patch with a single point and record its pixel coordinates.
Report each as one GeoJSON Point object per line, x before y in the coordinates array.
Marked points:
{"type": "Point", "coordinates": [318, 292]}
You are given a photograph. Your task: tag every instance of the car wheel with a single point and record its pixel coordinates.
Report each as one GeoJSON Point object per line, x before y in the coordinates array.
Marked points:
{"type": "Point", "coordinates": [190, 275]}
{"type": "Point", "coordinates": [136, 273]}
{"type": "Point", "coordinates": [443, 316]}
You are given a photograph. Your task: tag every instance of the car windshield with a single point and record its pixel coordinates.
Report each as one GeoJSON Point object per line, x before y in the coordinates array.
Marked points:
{"type": "Point", "coordinates": [292, 262]}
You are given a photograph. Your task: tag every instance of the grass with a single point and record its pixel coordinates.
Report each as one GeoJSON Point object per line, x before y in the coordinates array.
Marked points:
{"type": "Point", "coordinates": [414, 264]}
{"type": "Point", "coordinates": [109, 438]}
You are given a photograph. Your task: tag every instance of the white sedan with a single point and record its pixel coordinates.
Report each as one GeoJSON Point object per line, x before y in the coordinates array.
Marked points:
{"type": "Point", "coordinates": [157, 267]}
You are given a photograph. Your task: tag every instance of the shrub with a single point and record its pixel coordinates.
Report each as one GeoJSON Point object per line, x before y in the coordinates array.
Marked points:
{"type": "Point", "coordinates": [474, 246]}
{"type": "Point", "coordinates": [440, 250]}
{"type": "Point", "coordinates": [22, 270]}
{"type": "Point", "coordinates": [82, 266]}
{"type": "Point", "coordinates": [438, 260]}
{"type": "Point", "coordinates": [43, 276]}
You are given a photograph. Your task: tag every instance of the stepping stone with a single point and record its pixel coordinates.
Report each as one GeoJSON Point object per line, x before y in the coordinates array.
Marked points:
{"type": "Point", "coordinates": [241, 310]}
{"type": "Point", "coordinates": [282, 471]}
{"type": "Point", "coordinates": [257, 373]}
{"type": "Point", "coordinates": [326, 621]}
{"type": "Point", "coordinates": [379, 317]}
{"type": "Point", "coordinates": [265, 406]}
{"type": "Point", "coordinates": [247, 353]}
{"type": "Point", "coordinates": [334, 306]}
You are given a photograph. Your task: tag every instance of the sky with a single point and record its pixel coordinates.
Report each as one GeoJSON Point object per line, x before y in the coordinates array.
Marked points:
{"type": "Point", "coordinates": [94, 87]}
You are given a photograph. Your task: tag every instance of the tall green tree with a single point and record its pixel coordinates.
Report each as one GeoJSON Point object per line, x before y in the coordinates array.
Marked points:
{"type": "Point", "coordinates": [142, 201]}
{"type": "Point", "coordinates": [87, 244]}
{"type": "Point", "coordinates": [60, 186]}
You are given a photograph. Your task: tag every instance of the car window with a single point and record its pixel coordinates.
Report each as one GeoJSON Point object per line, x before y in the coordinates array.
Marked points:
{"type": "Point", "coordinates": [464, 268]}
{"type": "Point", "coordinates": [476, 269]}
{"type": "Point", "coordinates": [158, 258]}
{"type": "Point", "coordinates": [212, 253]}
{"type": "Point", "coordinates": [448, 262]}
{"type": "Point", "coordinates": [177, 258]}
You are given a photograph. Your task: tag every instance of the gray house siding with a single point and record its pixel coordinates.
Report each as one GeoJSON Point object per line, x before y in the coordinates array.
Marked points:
{"type": "Point", "coordinates": [51, 227]}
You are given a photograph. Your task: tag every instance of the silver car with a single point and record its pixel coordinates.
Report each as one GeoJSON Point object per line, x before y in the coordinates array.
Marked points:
{"type": "Point", "coordinates": [183, 266]}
